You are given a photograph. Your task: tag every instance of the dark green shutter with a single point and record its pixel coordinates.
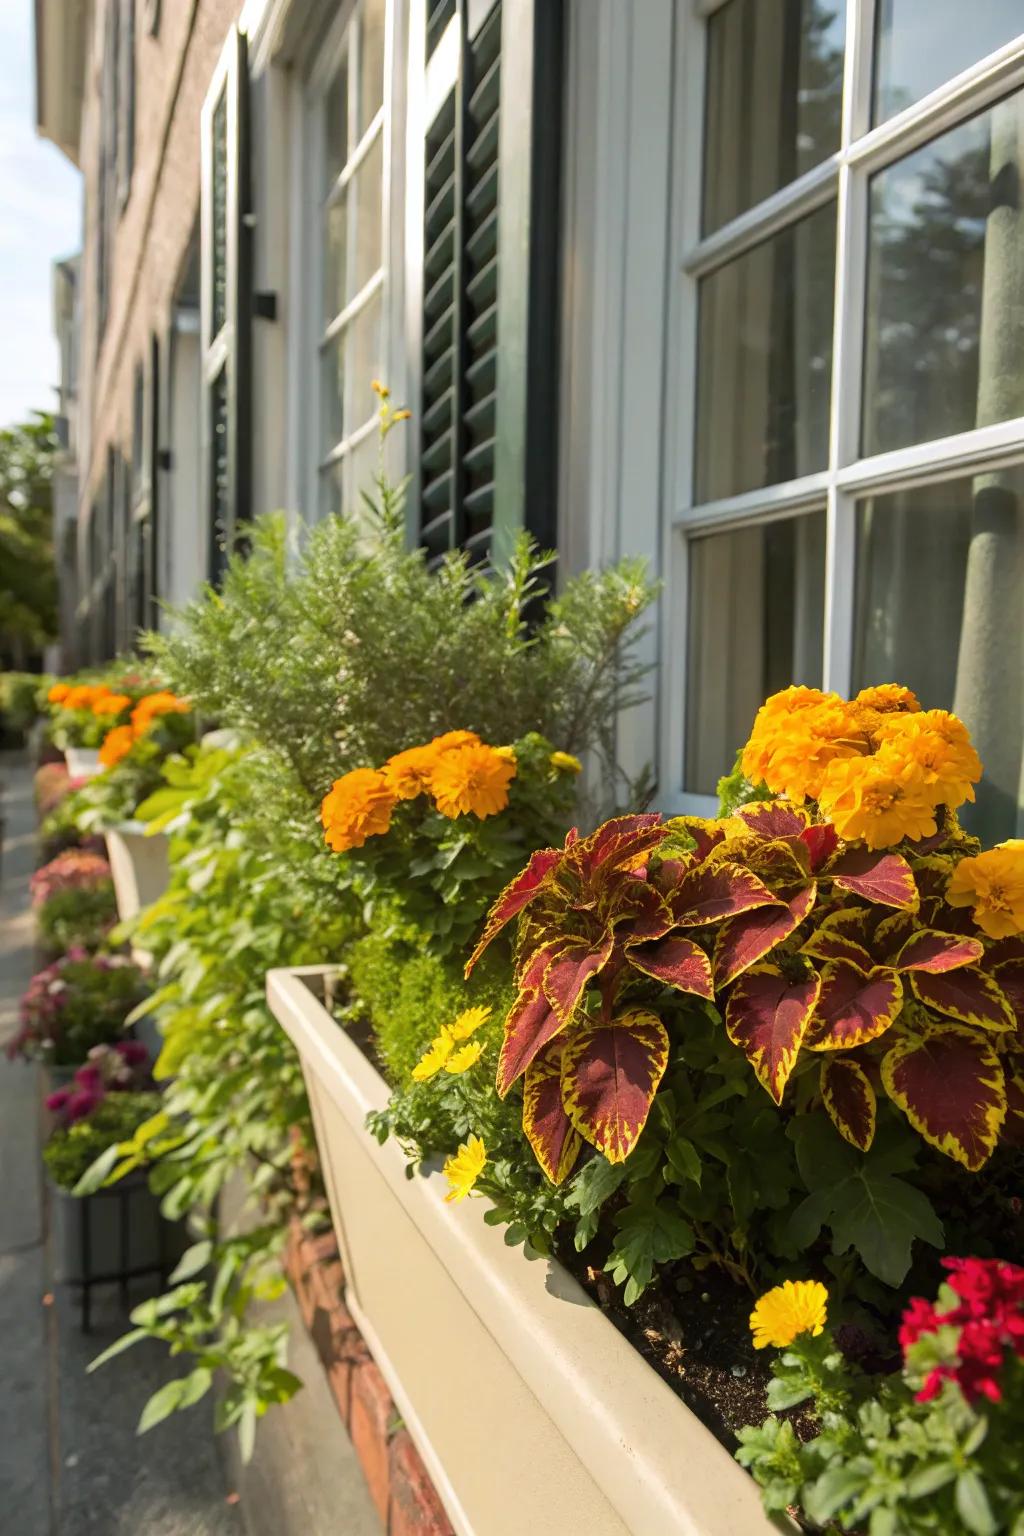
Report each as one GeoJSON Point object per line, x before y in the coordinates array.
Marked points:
{"type": "Point", "coordinates": [226, 301]}
{"type": "Point", "coordinates": [488, 363]}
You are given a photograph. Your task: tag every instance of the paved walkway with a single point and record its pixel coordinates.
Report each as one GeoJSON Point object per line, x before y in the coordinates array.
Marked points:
{"type": "Point", "coordinates": [70, 1462]}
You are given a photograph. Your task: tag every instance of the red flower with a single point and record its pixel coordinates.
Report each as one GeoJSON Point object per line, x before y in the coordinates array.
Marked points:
{"type": "Point", "coordinates": [990, 1316]}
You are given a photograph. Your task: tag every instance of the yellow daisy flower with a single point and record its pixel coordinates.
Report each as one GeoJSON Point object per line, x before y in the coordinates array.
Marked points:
{"type": "Point", "coordinates": [434, 1058]}
{"type": "Point", "coordinates": [464, 1167]}
{"type": "Point", "coordinates": [783, 1314]}
{"type": "Point", "coordinates": [465, 1057]}
{"type": "Point", "coordinates": [468, 1022]}
{"type": "Point", "coordinates": [565, 762]}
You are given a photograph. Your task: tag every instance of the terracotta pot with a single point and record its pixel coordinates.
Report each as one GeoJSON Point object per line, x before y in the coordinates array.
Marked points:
{"type": "Point", "coordinates": [530, 1410]}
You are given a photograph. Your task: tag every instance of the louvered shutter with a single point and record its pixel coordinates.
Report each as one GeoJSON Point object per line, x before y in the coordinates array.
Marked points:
{"type": "Point", "coordinates": [488, 364]}
{"type": "Point", "coordinates": [226, 301]}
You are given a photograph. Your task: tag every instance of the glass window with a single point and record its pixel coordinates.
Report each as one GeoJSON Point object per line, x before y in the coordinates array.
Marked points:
{"type": "Point", "coordinates": [368, 184]}
{"type": "Point", "coordinates": [939, 606]}
{"type": "Point", "coordinates": [920, 44]}
{"type": "Point", "coordinates": [219, 202]}
{"type": "Point", "coordinates": [774, 96]}
{"type": "Point", "coordinates": [765, 361]}
{"type": "Point", "coordinates": [371, 62]}
{"type": "Point", "coordinates": [945, 300]}
{"type": "Point", "coordinates": [336, 124]}
{"type": "Point", "coordinates": [755, 622]}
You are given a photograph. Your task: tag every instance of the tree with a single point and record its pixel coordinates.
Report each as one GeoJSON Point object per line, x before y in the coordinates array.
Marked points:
{"type": "Point", "coordinates": [28, 580]}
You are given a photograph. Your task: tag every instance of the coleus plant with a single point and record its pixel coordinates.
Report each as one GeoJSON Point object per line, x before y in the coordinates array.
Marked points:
{"type": "Point", "coordinates": [840, 972]}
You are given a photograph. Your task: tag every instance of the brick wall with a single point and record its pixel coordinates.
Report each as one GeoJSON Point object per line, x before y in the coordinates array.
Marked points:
{"type": "Point", "coordinates": [398, 1481]}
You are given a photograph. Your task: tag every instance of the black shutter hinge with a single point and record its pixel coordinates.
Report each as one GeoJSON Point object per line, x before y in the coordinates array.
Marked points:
{"type": "Point", "coordinates": [264, 306]}
{"type": "Point", "coordinates": [165, 459]}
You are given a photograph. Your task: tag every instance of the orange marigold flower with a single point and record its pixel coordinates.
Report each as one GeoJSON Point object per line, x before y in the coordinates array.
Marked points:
{"type": "Point", "coordinates": [888, 698]}
{"type": "Point", "coordinates": [472, 779]}
{"type": "Point", "coordinates": [939, 744]}
{"type": "Point", "coordinates": [790, 750]}
{"type": "Point", "coordinates": [154, 704]}
{"type": "Point", "coordinates": [878, 800]}
{"type": "Point", "coordinates": [58, 693]}
{"type": "Point", "coordinates": [111, 704]}
{"type": "Point", "coordinates": [116, 744]}
{"type": "Point", "coordinates": [408, 773]}
{"type": "Point", "coordinates": [82, 696]}
{"type": "Point", "coordinates": [357, 806]}
{"type": "Point", "coordinates": [993, 884]}
{"type": "Point", "coordinates": [451, 739]}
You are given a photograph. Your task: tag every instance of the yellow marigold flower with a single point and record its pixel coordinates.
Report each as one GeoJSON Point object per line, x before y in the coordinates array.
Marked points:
{"type": "Point", "coordinates": [357, 806]}
{"type": "Point", "coordinates": [993, 884]}
{"type": "Point", "coordinates": [888, 698]}
{"type": "Point", "coordinates": [468, 1022]}
{"type": "Point", "coordinates": [434, 1057]}
{"type": "Point", "coordinates": [565, 762]}
{"type": "Point", "coordinates": [464, 1167]}
{"type": "Point", "coordinates": [783, 1314]}
{"type": "Point", "coordinates": [939, 744]}
{"type": "Point", "coordinates": [58, 693]}
{"type": "Point", "coordinates": [408, 773]}
{"type": "Point", "coordinates": [465, 1057]}
{"type": "Point", "coordinates": [878, 800]}
{"type": "Point", "coordinates": [472, 779]}
{"type": "Point", "coordinates": [153, 704]}
{"type": "Point", "coordinates": [111, 704]}
{"type": "Point", "coordinates": [116, 744]}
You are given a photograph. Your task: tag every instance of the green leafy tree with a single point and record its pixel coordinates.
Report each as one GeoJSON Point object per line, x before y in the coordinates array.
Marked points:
{"type": "Point", "coordinates": [28, 582]}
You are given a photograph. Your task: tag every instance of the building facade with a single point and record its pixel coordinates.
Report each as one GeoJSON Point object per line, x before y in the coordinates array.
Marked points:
{"type": "Point", "coordinates": [735, 285]}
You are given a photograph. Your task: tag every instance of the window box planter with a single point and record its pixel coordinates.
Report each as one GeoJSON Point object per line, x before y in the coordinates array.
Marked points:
{"type": "Point", "coordinates": [138, 866]}
{"type": "Point", "coordinates": [82, 762]}
{"type": "Point", "coordinates": [530, 1410]}
{"type": "Point", "coordinates": [110, 1236]}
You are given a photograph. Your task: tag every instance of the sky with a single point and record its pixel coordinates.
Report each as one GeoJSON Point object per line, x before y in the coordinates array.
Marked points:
{"type": "Point", "coordinates": [40, 219]}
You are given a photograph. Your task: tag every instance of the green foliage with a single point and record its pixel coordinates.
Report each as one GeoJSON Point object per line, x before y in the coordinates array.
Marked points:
{"type": "Point", "coordinates": [115, 795]}
{"type": "Point", "coordinates": [74, 1004]}
{"type": "Point", "coordinates": [28, 582]}
{"type": "Point", "coordinates": [735, 789]}
{"type": "Point", "coordinates": [81, 916]}
{"type": "Point", "coordinates": [72, 1149]}
{"type": "Point", "coordinates": [19, 702]}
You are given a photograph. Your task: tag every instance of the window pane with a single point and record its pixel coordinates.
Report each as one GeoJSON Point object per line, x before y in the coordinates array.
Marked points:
{"type": "Point", "coordinates": [332, 393]}
{"type": "Point", "coordinates": [765, 361]}
{"type": "Point", "coordinates": [219, 201]}
{"type": "Point", "coordinates": [336, 256]}
{"type": "Point", "coordinates": [945, 305]}
{"type": "Point", "coordinates": [336, 125]}
{"type": "Point", "coordinates": [774, 94]}
{"type": "Point", "coordinates": [371, 63]}
{"type": "Point", "coordinates": [364, 361]}
{"type": "Point", "coordinates": [920, 44]}
{"type": "Point", "coordinates": [368, 214]}
{"type": "Point", "coordinates": [940, 607]}
{"type": "Point", "coordinates": [331, 479]}
{"type": "Point", "coordinates": [364, 466]}
{"type": "Point", "coordinates": [755, 624]}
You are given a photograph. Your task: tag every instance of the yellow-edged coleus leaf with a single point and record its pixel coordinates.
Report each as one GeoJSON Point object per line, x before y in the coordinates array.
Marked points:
{"type": "Point", "coordinates": [855, 1005]}
{"type": "Point", "coordinates": [840, 936]}
{"type": "Point", "coordinates": [967, 995]}
{"type": "Point", "coordinates": [620, 844]}
{"type": "Point", "coordinates": [773, 818]}
{"type": "Point", "coordinates": [568, 973]}
{"type": "Point", "coordinates": [516, 896]}
{"type": "Point", "coordinates": [821, 841]}
{"type": "Point", "coordinates": [707, 895]}
{"type": "Point", "coordinates": [884, 879]}
{"type": "Point", "coordinates": [556, 1143]}
{"type": "Point", "coordinates": [610, 1073]}
{"type": "Point", "coordinates": [678, 962]}
{"type": "Point", "coordinates": [748, 937]}
{"type": "Point", "coordinates": [1009, 978]}
{"type": "Point", "coordinates": [767, 1015]}
{"type": "Point", "coordinates": [930, 950]}
{"type": "Point", "coordinates": [848, 1096]}
{"type": "Point", "coordinates": [529, 1024]}
{"type": "Point", "coordinates": [951, 1086]}
{"type": "Point", "coordinates": [1013, 1126]}
{"type": "Point", "coordinates": [706, 834]}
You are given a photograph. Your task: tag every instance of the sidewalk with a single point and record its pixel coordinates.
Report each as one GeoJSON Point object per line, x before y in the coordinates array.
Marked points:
{"type": "Point", "coordinates": [70, 1463]}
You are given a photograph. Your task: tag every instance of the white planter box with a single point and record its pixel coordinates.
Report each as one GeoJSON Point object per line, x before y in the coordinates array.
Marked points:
{"type": "Point", "coordinates": [530, 1410]}
{"type": "Point", "coordinates": [83, 762]}
{"type": "Point", "coordinates": [138, 866]}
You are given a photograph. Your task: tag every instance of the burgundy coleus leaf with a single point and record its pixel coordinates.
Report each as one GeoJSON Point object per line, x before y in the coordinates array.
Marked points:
{"type": "Point", "coordinates": [517, 895]}
{"type": "Point", "coordinates": [967, 995]}
{"type": "Point", "coordinates": [705, 834]}
{"type": "Point", "coordinates": [930, 950]}
{"type": "Point", "coordinates": [1004, 950]}
{"type": "Point", "coordinates": [821, 841]}
{"type": "Point", "coordinates": [784, 861]}
{"type": "Point", "coordinates": [951, 1087]}
{"type": "Point", "coordinates": [1013, 1126]}
{"type": "Point", "coordinates": [568, 973]}
{"type": "Point", "coordinates": [621, 843]}
{"type": "Point", "coordinates": [887, 935]}
{"type": "Point", "coordinates": [882, 878]}
{"type": "Point", "coordinates": [640, 913]}
{"type": "Point", "coordinates": [855, 1005]}
{"type": "Point", "coordinates": [848, 1096]}
{"type": "Point", "coordinates": [706, 895]}
{"type": "Point", "coordinates": [840, 936]}
{"type": "Point", "coordinates": [529, 1024]}
{"type": "Point", "coordinates": [932, 875]}
{"type": "Point", "coordinates": [772, 818]}
{"type": "Point", "coordinates": [767, 1016]}
{"type": "Point", "coordinates": [556, 1145]}
{"type": "Point", "coordinates": [678, 962]}
{"type": "Point", "coordinates": [1009, 978]}
{"type": "Point", "coordinates": [749, 936]}
{"type": "Point", "coordinates": [610, 1073]}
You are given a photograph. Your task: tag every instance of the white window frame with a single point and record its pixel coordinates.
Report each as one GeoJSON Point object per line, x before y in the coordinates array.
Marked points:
{"type": "Point", "coordinates": [848, 477]}
{"type": "Point", "coordinates": [343, 39]}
